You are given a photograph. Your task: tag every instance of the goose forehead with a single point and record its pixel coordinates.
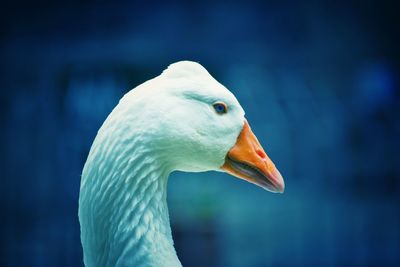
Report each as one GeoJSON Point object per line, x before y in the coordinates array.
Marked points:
{"type": "Point", "coordinates": [202, 87]}
{"type": "Point", "coordinates": [208, 94]}
{"type": "Point", "coordinates": [211, 95]}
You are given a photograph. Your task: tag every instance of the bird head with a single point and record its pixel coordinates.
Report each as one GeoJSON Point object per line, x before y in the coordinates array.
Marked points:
{"type": "Point", "coordinates": [198, 125]}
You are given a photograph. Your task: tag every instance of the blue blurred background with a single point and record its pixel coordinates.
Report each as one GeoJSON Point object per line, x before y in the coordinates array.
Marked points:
{"type": "Point", "coordinates": [319, 82]}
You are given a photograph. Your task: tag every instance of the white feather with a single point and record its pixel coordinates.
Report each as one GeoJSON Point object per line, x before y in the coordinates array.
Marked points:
{"type": "Point", "coordinates": [165, 124]}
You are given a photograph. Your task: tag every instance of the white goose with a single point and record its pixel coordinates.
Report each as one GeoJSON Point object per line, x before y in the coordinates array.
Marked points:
{"type": "Point", "coordinates": [181, 120]}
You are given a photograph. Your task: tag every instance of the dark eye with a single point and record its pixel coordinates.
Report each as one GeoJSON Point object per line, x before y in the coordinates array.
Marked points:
{"type": "Point", "coordinates": [220, 108]}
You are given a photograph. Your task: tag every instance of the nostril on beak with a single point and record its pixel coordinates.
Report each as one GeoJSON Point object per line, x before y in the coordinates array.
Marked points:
{"type": "Point", "coordinates": [261, 153]}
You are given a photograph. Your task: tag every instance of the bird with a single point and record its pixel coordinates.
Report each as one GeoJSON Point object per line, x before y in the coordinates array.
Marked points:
{"type": "Point", "coordinates": [182, 120]}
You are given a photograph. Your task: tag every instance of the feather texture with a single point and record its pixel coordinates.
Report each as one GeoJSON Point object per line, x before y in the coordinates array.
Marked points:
{"type": "Point", "coordinates": [165, 124]}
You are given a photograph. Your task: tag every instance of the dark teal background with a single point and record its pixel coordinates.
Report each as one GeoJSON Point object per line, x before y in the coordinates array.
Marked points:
{"type": "Point", "coordinates": [319, 81]}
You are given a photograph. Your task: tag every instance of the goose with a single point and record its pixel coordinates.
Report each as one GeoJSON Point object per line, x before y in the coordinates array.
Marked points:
{"type": "Point", "coordinates": [181, 120]}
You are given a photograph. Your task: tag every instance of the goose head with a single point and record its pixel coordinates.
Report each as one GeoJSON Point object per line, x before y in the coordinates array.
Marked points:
{"type": "Point", "coordinates": [195, 124]}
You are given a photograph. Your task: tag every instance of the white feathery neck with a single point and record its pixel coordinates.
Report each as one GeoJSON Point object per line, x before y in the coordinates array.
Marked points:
{"type": "Point", "coordinates": [123, 208]}
{"type": "Point", "coordinates": [165, 124]}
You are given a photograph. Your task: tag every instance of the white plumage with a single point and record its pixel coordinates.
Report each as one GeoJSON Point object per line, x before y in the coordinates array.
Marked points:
{"type": "Point", "coordinates": [165, 124]}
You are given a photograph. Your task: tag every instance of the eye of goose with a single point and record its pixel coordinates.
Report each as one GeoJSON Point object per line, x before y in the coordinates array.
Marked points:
{"type": "Point", "coordinates": [220, 107]}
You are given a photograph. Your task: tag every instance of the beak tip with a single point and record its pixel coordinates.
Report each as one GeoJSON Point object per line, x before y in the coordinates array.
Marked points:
{"type": "Point", "coordinates": [280, 188]}
{"type": "Point", "coordinates": [279, 183]}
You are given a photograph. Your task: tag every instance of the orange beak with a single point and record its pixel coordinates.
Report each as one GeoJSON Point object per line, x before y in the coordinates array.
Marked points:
{"type": "Point", "coordinates": [248, 160]}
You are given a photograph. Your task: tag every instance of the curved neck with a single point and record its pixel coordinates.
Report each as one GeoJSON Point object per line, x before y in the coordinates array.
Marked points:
{"type": "Point", "coordinates": [123, 208]}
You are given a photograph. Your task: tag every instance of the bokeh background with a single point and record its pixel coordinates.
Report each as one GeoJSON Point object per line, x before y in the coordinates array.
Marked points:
{"type": "Point", "coordinates": [319, 82]}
